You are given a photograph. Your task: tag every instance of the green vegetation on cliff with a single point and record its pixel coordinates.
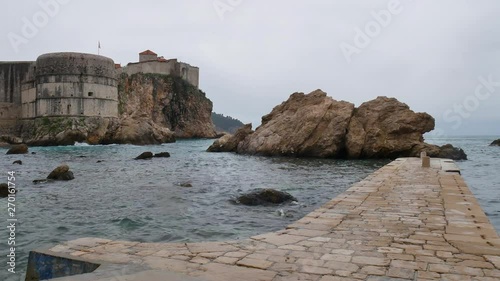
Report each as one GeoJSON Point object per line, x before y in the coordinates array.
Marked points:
{"type": "Point", "coordinates": [226, 123]}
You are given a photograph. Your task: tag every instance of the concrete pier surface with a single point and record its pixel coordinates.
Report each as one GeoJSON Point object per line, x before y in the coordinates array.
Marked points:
{"type": "Point", "coordinates": [403, 222]}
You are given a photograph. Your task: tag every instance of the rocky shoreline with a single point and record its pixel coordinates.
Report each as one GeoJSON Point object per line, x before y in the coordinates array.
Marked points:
{"type": "Point", "coordinates": [316, 125]}
{"type": "Point", "coordinates": [153, 109]}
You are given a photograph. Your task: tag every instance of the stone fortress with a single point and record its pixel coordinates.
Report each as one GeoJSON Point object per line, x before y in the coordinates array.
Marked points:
{"type": "Point", "coordinates": [73, 85]}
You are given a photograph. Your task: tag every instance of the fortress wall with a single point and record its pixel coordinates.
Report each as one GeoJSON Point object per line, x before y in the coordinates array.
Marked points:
{"type": "Point", "coordinates": [28, 103]}
{"type": "Point", "coordinates": [72, 84]}
{"type": "Point", "coordinates": [165, 68]}
{"type": "Point", "coordinates": [12, 77]}
{"type": "Point", "coordinates": [71, 99]}
{"type": "Point", "coordinates": [85, 107]}
{"type": "Point", "coordinates": [189, 73]}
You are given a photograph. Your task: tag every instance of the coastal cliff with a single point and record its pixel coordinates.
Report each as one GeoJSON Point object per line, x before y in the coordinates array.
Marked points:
{"type": "Point", "coordinates": [315, 125]}
{"type": "Point", "coordinates": [152, 108]}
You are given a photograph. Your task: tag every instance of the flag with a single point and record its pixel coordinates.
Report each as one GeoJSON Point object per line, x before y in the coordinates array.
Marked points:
{"type": "Point", "coordinates": [99, 44]}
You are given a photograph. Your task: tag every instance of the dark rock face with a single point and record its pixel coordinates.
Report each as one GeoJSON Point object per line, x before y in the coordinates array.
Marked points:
{"type": "Point", "coordinates": [4, 190]}
{"type": "Point", "coordinates": [18, 149]}
{"type": "Point", "coordinates": [315, 125]}
{"type": "Point", "coordinates": [145, 156]}
{"type": "Point", "coordinates": [18, 162]}
{"type": "Point", "coordinates": [450, 152]}
{"type": "Point", "coordinates": [495, 143]}
{"type": "Point", "coordinates": [162, 155]}
{"type": "Point", "coordinates": [265, 197]}
{"type": "Point", "coordinates": [61, 173]}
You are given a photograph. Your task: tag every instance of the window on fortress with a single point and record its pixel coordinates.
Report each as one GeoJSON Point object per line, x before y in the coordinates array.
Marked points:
{"type": "Point", "coordinates": [91, 94]}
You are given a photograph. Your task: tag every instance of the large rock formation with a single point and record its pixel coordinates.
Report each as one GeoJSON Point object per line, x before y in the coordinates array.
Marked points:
{"type": "Point", "coordinates": [153, 109]}
{"type": "Point", "coordinates": [385, 127]}
{"type": "Point", "coordinates": [315, 125]}
{"type": "Point", "coordinates": [168, 102]}
{"type": "Point", "coordinates": [495, 143]}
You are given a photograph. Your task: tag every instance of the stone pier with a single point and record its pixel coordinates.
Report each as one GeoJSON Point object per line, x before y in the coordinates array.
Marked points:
{"type": "Point", "coordinates": [403, 222]}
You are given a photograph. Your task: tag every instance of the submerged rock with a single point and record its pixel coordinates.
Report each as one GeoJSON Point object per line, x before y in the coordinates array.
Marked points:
{"type": "Point", "coordinates": [18, 149]}
{"type": "Point", "coordinates": [162, 155]}
{"type": "Point", "coordinates": [495, 143]}
{"type": "Point", "coordinates": [61, 173]}
{"type": "Point", "coordinates": [18, 162]}
{"type": "Point", "coordinates": [145, 156]}
{"type": "Point", "coordinates": [265, 197]}
{"type": "Point", "coordinates": [185, 184]}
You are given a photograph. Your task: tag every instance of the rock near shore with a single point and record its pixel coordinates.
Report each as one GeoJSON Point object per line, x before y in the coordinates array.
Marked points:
{"type": "Point", "coordinates": [315, 125]}
{"type": "Point", "coordinates": [495, 143]}
{"type": "Point", "coordinates": [18, 149]}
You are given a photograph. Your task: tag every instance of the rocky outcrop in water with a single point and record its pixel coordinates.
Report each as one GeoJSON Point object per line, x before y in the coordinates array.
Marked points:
{"type": "Point", "coordinates": [495, 143]}
{"type": "Point", "coordinates": [315, 125]}
{"type": "Point", "coordinates": [153, 109]}
{"type": "Point", "coordinates": [61, 173]}
{"type": "Point", "coordinates": [18, 149]}
{"type": "Point", "coordinates": [162, 155]}
{"type": "Point", "coordinates": [265, 197]}
{"type": "Point", "coordinates": [4, 190]}
{"type": "Point", "coordinates": [145, 156]}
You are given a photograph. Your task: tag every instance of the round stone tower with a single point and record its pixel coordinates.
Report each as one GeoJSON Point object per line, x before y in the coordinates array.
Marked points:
{"type": "Point", "coordinates": [74, 85]}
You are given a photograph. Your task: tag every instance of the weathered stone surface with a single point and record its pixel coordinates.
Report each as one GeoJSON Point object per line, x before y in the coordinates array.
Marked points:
{"type": "Point", "coordinates": [386, 128]}
{"type": "Point", "coordinates": [18, 149]}
{"type": "Point", "coordinates": [168, 102]}
{"type": "Point", "coordinates": [61, 173]}
{"type": "Point", "coordinates": [315, 125]}
{"type": "Point", "coordinates": [229, 143]}
{"type": "Point", "coordinates": [145, 156]}
{"type": "Point", "coordinates": [265, 197]}
{"type": "Point", "coordinates": [495, 143]}
{"type": "Point", "coordinates": [304, 125]}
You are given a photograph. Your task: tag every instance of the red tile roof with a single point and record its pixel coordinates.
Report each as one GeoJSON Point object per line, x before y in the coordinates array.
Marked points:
{"type": "Point", "coordinates": [148, 52]}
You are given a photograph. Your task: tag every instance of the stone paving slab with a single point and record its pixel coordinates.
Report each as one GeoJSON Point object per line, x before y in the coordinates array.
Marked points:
{"type": "Point", "coordinates": [403, 222]}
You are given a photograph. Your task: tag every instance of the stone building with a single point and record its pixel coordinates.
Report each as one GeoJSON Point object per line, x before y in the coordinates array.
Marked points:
{"type": "Point", "coordinates": [149, 62]}
{"type": "Point", "coordinates": [72, 85]}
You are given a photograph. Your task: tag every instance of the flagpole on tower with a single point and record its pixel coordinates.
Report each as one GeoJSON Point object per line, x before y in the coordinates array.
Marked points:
{"type": "Point", "coordinates": [99, 47]}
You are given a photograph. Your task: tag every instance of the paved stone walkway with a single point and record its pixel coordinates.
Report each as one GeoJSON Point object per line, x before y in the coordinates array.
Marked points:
{"type": "Point", "coordinates": [403, 222]}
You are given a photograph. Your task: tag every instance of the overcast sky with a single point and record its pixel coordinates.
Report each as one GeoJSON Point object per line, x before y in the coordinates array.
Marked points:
{"type": "Point", "coordinates": [433, 55]}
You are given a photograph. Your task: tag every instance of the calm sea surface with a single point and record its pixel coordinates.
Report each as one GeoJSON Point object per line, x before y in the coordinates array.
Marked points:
{"type": "Point", "coordinates": [122, 198]}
